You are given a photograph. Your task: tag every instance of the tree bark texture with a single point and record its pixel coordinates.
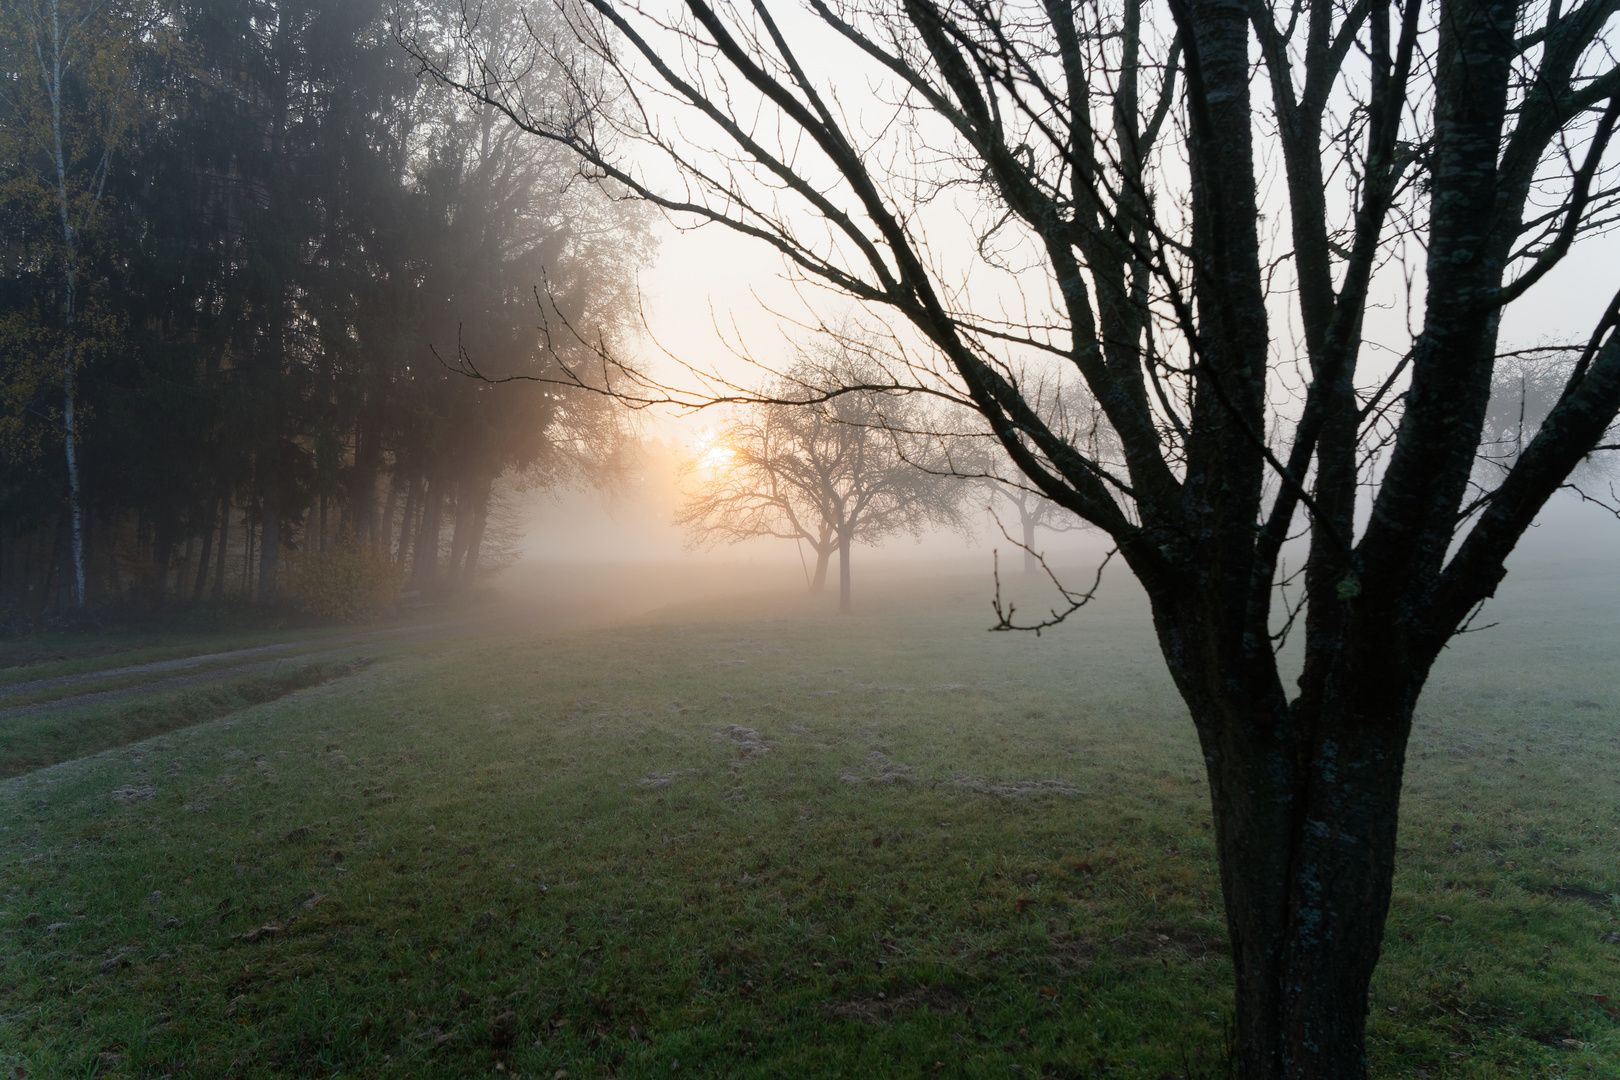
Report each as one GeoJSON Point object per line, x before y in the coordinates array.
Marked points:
{"type": "Point", "coordinates": [1306, 800]}
{"type": "Point", "coordinates": [51, 57]}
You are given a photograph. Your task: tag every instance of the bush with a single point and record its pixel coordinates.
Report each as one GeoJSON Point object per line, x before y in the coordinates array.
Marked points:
{"type": "Point", "coordinates": [347, 581]}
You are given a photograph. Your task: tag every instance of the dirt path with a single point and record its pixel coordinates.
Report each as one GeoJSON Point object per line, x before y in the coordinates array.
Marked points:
{"type": "Point", "coordinates": [545, 598]}
{"type": "Point", "coordinates": [184, 662]}
{"type": "Point", "coordinates": [316, 649]}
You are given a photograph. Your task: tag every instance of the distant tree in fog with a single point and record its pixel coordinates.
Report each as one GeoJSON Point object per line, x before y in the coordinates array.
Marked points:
{"type": "Point", "coordinates": [1073, 415]}
{"type": "Point", "coordinates": [852, 469]}
{"type": "Point", "coordinates": [1524, 390]}
{"type": "Point", "coordinates": [1035, 511]}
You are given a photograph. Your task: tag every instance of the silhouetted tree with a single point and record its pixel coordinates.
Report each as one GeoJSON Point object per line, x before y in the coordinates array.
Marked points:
{"type": "Point", "coordinates": [1112, 163]}
{"type": "Point", "coordinates": [1035, 511]}
{"type": "Point", "coordinates": [850, 469]}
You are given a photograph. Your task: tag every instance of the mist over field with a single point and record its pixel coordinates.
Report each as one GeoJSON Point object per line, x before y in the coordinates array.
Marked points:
{"type": "Point", "coordinates": [917, 539]}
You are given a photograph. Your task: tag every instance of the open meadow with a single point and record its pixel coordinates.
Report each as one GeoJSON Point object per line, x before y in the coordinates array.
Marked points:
{"type": "Point", "coordinates": [748, 837]}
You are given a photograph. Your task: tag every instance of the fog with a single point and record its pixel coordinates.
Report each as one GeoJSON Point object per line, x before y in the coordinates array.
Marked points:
{"type": "Point", "coordinates": [637, 527]}
{"type": "Point", "coordinates": [497, 565]}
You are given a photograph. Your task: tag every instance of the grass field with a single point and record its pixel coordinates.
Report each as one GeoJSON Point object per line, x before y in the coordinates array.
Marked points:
{"type": "Point", "coordinates": [34, 741]}
{"type": "Point", "coordinates": [48, 656]}
{"type": "Point", "coordinates": [752, 838]}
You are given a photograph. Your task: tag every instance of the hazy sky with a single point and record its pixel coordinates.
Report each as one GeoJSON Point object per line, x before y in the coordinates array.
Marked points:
{"type": "Point", "coordinates": [707, 275]}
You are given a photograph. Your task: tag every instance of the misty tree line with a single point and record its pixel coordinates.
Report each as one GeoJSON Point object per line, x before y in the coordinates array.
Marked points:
{"type": "Point", "coordinates": [238, 237]}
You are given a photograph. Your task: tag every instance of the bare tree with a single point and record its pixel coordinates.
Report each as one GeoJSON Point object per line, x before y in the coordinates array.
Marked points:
{"type": "Point", "coordinates": [1110, 165]}
{"type": "Point", "coordinates": [66, 105]}
{"type": "Point", "coordinates": [1035, 511]}
{"type": "Point", "coordinates": [743, 489]}
{"type": "Point", "coordinates": [1073, 415]}
{"type": "Point", "coordinates": [1525, 388]}
{"type": "Point", "coordinates": [851, 469]}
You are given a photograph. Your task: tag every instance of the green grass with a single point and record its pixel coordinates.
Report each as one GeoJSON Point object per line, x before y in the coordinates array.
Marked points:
{"type": "Point", "coordinates": [963, 852]}
{"type": "Point", "coordinates": [191, 632]}
{"type": "Point", "coordinates": [37, 740]}
{"type": "Point", "coordinates": [48, 656]}
{"type": "Point", "coordinates": [49, 694]}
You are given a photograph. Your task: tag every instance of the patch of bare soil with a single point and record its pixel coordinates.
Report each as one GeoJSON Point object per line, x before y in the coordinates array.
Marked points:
{"type": "Point", "coordinates": [1069, 954]}
{"type": "Point", "coordinates": [1160, 939]}
{"type": "Point", "coordinates": [884, 1008]}
{"type": "Point", "coordinates": [747, 741]}
{"type": "Point", "coordinates": [1018, 789]}
{"type": "Point", "coordinates": [1578, 892]}
{"type": "Point", "coordinates": [879, 770]}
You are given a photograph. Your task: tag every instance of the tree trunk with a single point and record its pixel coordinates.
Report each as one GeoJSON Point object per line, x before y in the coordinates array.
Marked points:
{"type": "Point", "coordinates": [183, 571]}
{"type": "Point", "coordinates": [26, 584]}
{"type": "Point", "coordinates": [70, 433]}
{"type": "Point", "coordinates": [247, 552]}
{"type": "Point", "coordinates": [53, 565]}
{"type": "Point", "coordinates": [818, 583]}
{"type": "Point", "coordinates": [224, 540]}
{"type": "Point", "coordinates": [407, 532]}
{"type": "Point", "coordinates": [382, 537]}
{"type": "Point", "coordinates": [424, 567]}
{"type": "Point", "coordinates": [70, 311]}
{"type": "Point", "coordinates": [1304, 954]}
{"type": "Point", "coordinates": [460, 530]}
{"type": "Point", "coordinates": [363, 487]}
{"type": "Point", "coordinates": [1305, 798]}
{"type": "Point", "coordinates": [1027, 520]}
{"type": "Point", "coordinates": [203, 558]}
{"type": "Point", "coordinates": [475, 543]}
{"type": "Point", "coordinates": [163, 545]}
{"type": "Point", "coordinates": [113, 576]}
{"type": "Point", "coordinates": [269, 543]}
{"type": "Point", "coordinates": [843, 572]}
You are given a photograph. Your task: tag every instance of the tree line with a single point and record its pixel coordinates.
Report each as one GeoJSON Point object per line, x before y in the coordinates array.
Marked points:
{"type": "Point", "coordinates": [239, 238]}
